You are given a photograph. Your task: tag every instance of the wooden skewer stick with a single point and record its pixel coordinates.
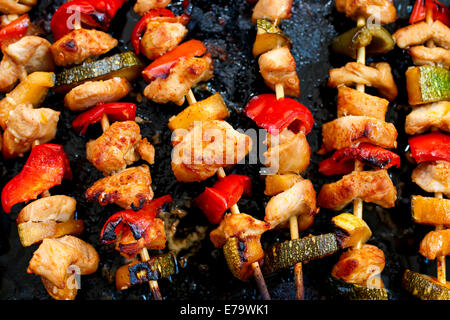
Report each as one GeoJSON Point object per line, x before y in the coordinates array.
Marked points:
{"type": "Point", "coordinates": [257, 274]}
{"type": "Point", "coordinates": [144, 252]}
{"type": "Point", "coordinates": [293, 226]}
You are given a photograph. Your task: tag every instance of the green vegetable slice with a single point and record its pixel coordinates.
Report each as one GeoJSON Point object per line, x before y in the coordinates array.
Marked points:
{"type": "Point", "coordinates": [353, 291]}
{"type": "Point", "coordinates": [425, 287]}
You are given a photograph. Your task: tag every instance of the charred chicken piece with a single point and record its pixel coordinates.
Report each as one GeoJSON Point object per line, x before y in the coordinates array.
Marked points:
{"type": "Point", "coordinates": [348, 131]}
{"type": "Point", "coordinates": [352, 102]}
{"type": "Point", "coordinates": [370, 186]}
{"type": "Point", "coordinates": [428, 116]}
{"type": "Point", "coordinates": [185, 74]}
{"type": "Point", "coordinates": [433, 176]}
{"type": "Point", "coordinates": [129, 189]}
{"type": "Point", "coordinates": [80, 44]}
{"type": "Point", "coordinates": [422, 55]}
{"type": "Point", "coordinates": [297, 201]}
{"type": "Point", "coordinates": [421, 32]}
{"type": "Point", "coordinates": [118, 147]}
{"type": "Point", "coordinates": [359, 265]}
{"type": "Point", "coordinates": [200, 151]}
{"type": "Point", "coordinates": [435, 244]}
{"type": "Point", "coordinates": [50, 217]}
{"type": "Point", "coordinates": [377, 75]}
{"type": "Point", "coordinates": [273, 10]}
{"type": "Point", "coordinates": [278, 66]}
{"type": "Point", "coordinates": [26, 126]}
{"type": "Point", "coordinates": [143, 6]}
{"type": "Point", "coordinates": [91, 93]}
{"type": "Point", "coordinates": [382, 10]}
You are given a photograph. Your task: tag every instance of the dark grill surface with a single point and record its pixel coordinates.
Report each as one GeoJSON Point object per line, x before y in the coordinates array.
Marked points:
{"type": "Point", "coordinates": [224, 25]}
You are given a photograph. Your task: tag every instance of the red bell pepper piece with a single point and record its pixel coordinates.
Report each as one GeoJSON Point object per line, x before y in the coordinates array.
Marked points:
{"type": "Point", "coordinates": [275, 114]}
{"type": "Point", "coordinates": [343, 160]}
{"type": "Point", "coordinates": [433, 146]}
{"type": "Point", "coordinates": [160, 68]}
{"type": "Point", "coordinates": [116, 111]}
{"type": "Point", "coordinates": [437, 10]}
{"type": "Point", "coordinates": [142, 24]}
{"type": "Point", "coordinates": [14, 30]}
{"type": "Point", "coordinates": [222, 196]}
{"type": "Point", "coordinates": [88, 13]}
{"type": "Point", "coordinates": [135, 221]}
{"type": "Point", "coordinates": [45, 168]}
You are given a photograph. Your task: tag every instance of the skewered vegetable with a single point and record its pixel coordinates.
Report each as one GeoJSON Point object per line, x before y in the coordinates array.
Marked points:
{"type": "Point", "coordinates": [277, 183]}
{"type": "Point", "coordinates": [430, 211]}
{"type": "Point", "coordinates": [350, 230]}
{"type": "Point", "coordinates": [425, 287]}
{"type": "Point", "coordinates": [269, 37]}
{"type": "Point", "coordinates": [354, 291]}
{"type": "Point", "coordinates": [433, 146]}
{"type": "Point", "coordinates": [427, 84]}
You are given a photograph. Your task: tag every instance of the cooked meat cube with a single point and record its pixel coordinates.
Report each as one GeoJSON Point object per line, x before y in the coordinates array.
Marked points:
{"type": "Point", "coordinates": [117, 147]}
{"type": "Point", "coordinates": [272, 10]}
{"type": "Point", "coordinates": [378, 75]}
{"type": "Point", "coordinates": [349, 131]}
{"type": "Point", "coordinates": [383, 10]}
{"type": "Point", "coordinates": [299, 200]}
{"type": "Point", "coordinates": [182, 77]}
{"type": "Point", "coordinates": [278, 66]}
{"type": "Point", "coordinates": [420, 33]}
{"type": "Point", "coordinates": [161, 37]}
{"type": "Point", "coordinates": [358, 265]}
{"type": "Point", "coordinates": [370, 186]}
{"type": "Point", "coordinates": [50, 217]}
{"type": "Point", "coordinates": [129, 189]}
{"type": "Point", "coordinates": [287, 152]}
{"type": "Point", "coordinates": [239, 225]}
{"type": "Point", "coordinates": [143, 6]}
{"type": "Point", "coordinates": [26, 126]}
{"type": "Point", "coordinates": [80, 44]}
{"type": "Point", "coordinates": [203, 149]}
{"type": "Point", "coordinates": [146, 151]}
{"type": "Point", "coordinates": [91, 93]}
{"type": "Point", "coordinates": [433, 177]}
{"type": "Point", "coordinates": [435, 244]}
{"type": "Point", "coordinates": [54, 256]}
{"type": "Point", "coordinates": [31, 52]}
{"type": "Point", "coordinates": [10, 73]}
{"type": "Point", "coordinates": [351, 102]}
{"type": "Point", "coordinates": [428, 116]}
{"type": "Point", "coordinates": [422, 55]}
{"type": "Point", "coordinates": [13, 7]}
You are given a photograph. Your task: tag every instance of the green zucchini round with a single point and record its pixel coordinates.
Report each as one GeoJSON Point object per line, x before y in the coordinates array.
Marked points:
{"type": "Point", "coordinates": [353, 291]}
{"type": "Point", "coordinates": [126, 65]}
{"type": "Point", "coordinates": [289, 253]}
{"type": "Point", "coordinates": [425, 287]}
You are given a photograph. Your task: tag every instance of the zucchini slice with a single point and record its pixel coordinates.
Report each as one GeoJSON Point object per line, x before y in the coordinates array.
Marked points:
{"type": "Point", "coordinates": [289, 253]}
{"type": "Point", "coordinates": [350, 230]}
{"type": "Point", "coordinates": [427, 84]}
{"type": "Point", "coordinates": [139, 272]}
{"type": "Point", "coordinates": [353, 291]}
{"type": "Point", "coordinates": [430, 210]}
{"type": "Point", "coordinates": [425, 287]}
{"type": "Point", "coordinates": [126, 65]}
{"type": "Point", "coordinates": [269, 37]}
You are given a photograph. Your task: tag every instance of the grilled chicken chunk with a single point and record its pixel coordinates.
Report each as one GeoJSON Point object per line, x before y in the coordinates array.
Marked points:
{"type": "Point", "coordinates": [299, 200]}
{"type": "Point", "coordinates": [129, 189]}
{"type": "Point", "coordinates": [358, 265]}
{"type": "Point", "coordinates": [10, 73]}
{"type": "Point", "coordinates": [435, 244]}
{"type": "Point", "coordinates": [349, 131]}
{"type": "Point", "coordinates": [278, 66]}
{"type": "Point", "coordinates": [50, 217]}
{"type": "Point", "coordinates": [118, 147]}
{"type": "Point", "coordinates": [80, 44]}
{"type": "Point", "coordinates": [54, 256]}
{"type": "Point", "coordinates": [433, 176]}
{"type": "Point", "coordinates": [13, 7]}
{"type": "Point", "coordinates": [200, 151]}
{"type": "Point", "coordinates": [422, 55]}
{"type": "Point", "coordinates": [351, 102]}
{"type": "Point", "coordinates": [26, 126]}
{"type": "Point", "coordinates": [184, 75]}
{"type": "Point", "coordinates": [428, 116]}
{"type": "Point", "coordinates": [161, 37]}
{"type": "Point", "coordinates": [420, 33]}
{"type": "Point", "coordinates": [377, 75]}
{"type": "Point", "coordinates": [91, 93]}
{"type": "Point", "coordinates": [272, 10]}
{"type": "Point", "coordinates": [382, 10]}
{"type": "Point", "coordinates": [287, 152]}
{"type": "Point", "coordinates": [143, 6]}
{"type": "Point", "coordinates": [370, 186]}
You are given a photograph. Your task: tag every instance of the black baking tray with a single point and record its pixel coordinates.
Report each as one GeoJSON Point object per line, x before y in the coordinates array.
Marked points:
{"type": "Point", "coordinates": [225, 27]}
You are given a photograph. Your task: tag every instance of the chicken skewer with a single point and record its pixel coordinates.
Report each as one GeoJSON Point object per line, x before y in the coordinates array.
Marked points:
{"type": "Point", "coordinates": [257, 274]}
